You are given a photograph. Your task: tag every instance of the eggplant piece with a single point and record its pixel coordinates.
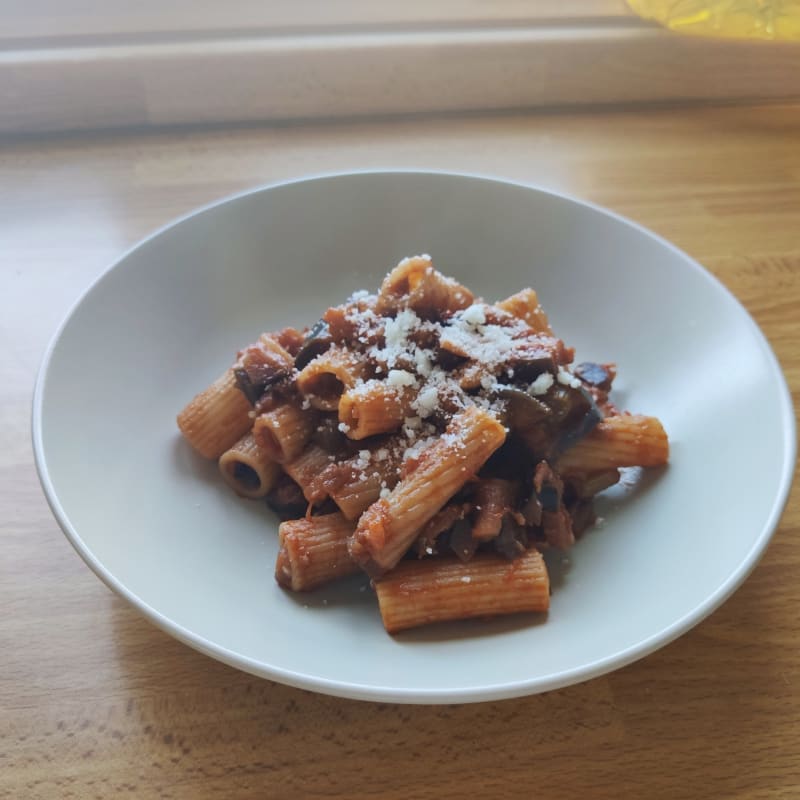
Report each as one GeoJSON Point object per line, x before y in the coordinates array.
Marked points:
{"type": "Point", "coordinates": [286, 499]}
{"type": "Point", "coordinates": [252, 383]}
{"type": "Point", "coordinates": [548, 488]}
{"type": "Point", "coordinates": [532, 511]}
{"type": "Point", "coordinates": [317, 341]}
{"type": "Point", "coordinates": [437, 526]}
{"type": "Point", "coordinates": [257, 369]}
{"type": "Point", "coordinates": [461, 541]}
{"type": "Point", "coordinates": [328, 436]}
{"type": "Point", "coordinates": [529, 418]}
{"type": "Point", "coordinates": [563, 402]}
{"type": "Point", "coordinates": [522, 410]}
{"type": "Point", "coordinates": [529, 366]}
{"type": "Point", "coordinates": [598, 375]}
{"type": "Point", "coordinates": [448, 361]}
{"type": "Point", "coordinates": [512, 541]}
{"type": "Point", "coordinates": [246, 386]}
{"type": "Point", "coordinates": [557, 527]}
{"type": "Point", "coordinates": [584, 425]}
{"type": "Point", "coordinates": [549, 498]}
{"type": "Point", "coordinates": [509, 461]}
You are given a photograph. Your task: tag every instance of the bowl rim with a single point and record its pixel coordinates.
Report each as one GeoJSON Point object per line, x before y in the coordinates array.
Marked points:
{"type": "Point", "coordinates": [369, 692]}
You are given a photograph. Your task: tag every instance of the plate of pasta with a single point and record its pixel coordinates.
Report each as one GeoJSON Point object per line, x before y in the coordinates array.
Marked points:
{"type": "Point", "coordinates": [439, 437]}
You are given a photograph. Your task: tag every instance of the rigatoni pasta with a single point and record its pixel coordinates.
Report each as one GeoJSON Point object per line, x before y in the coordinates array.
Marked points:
{"type": "Point", "coordinates": [435, 441]}
{"type": "Point", "coordinates": [313, 551]}
{"type": "Point", "coordinates": [249, 469]}
{"type": "Point", "coordinates": [443, 589]}
{"type": "Point", "coordinates": [387, 528]}
{"type": "Point", "coordinates": [216, 418]}
{"type": "Point", "coordinates": [284, 431]}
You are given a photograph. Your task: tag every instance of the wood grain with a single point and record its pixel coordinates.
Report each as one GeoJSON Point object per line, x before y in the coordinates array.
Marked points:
{"type": "Point", "coordinates": [345, 74]}
{"type": "Point", "coordinates": [96, 703]}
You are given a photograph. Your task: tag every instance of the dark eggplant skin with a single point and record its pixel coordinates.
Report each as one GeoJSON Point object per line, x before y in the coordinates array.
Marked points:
{"type": "Point", "coordinates": [286, 499]}
{"type": "Point", "coordinates": [328, 436]}
{"type": "Point", "coordinates": [540, 419]}
{"type": "Point", "coordinates": [252, 386]}
{"type": "Point", "coordinates": [317, 342]}
{"type": "Point", "coordinates": [585, 424]}
{"type": "Point", "coordinates": [522, 409]}
{"type": "Point", "coordinates": [594, 374]}
{"type": "Point", "coordinates": [512, 541]}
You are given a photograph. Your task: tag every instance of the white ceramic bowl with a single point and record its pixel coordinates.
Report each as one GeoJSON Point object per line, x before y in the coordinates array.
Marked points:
{"type": "Point", "coordinates": [159, 527]}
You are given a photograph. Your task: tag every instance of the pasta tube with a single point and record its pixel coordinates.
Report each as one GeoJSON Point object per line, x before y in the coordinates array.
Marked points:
{"type": "Point", "coordinates": [248, 468]}
{"type": "Point", "coordinates": [313, 551]}
{"type": "Point", "coordinates": [525, 306]}
{"type": "Point", "coordinates": [415, 284]}
{"type": "Point", "coordinates": [356, 483]}
{"type": "Point", "coordinates": [284, 431]}
{"type": "Point", "coordinates": [216, 418]}
{"type": "Point", "coordinates": [628, 440]}
{"type": "Point", "coordinates": [305, 469]}
{"type": "Point", "coordinates": [388, 527]}
{"type": "Point", "coordinates": [374, 407]}
{"type": "Point", "coordinates": [324, 379]}
{"type": "Point", "coordinates": [437, 589]}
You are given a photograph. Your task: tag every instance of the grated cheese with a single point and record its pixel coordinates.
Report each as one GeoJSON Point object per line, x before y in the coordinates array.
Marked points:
{"type": "Point", "coordinates": [427, 401]}
{"type": "Point", "coordinates": [541, 384]}
{"type": "Point", "coordinates": [489, 345]}
{"type": "Point", "coordinates": [474, 315]}
{"type": "Point", "coordinates": [400, 377]}
{"type": "Point", "coordinates": [568, 379]}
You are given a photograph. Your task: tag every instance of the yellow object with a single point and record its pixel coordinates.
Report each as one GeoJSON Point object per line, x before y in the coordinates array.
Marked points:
{"type": "Point", "coordinates": [742, 19]}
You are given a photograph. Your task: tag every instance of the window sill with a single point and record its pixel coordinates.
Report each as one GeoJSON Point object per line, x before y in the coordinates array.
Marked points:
{"type": "Point", "coordinates": [207, 78]}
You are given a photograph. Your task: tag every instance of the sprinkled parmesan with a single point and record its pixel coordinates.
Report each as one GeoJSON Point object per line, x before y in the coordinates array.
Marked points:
{"type": "Point", "coordinates": [361, 462]}
{"type": "Point", "coordinates": [384, 493]}
{"type": "Point", "coordinates": [568, 379]}
{"type": "Point", "coordinates": [344, 427]}
{"type": "Point", "coordinates": [395, 333]}
{"type": "Point", "coordinates": [423, 359]}
{"type": "Point", "coordinates": [541, 384]}
{"type": "Point", "coordinates": [474, 315]}
{"type": "Point", "coordinates": [489, 345]}
{"type": "Point", "coordinates": [400, 377]}
{"type": "Point", "coordinates": [427, 401]}
{"type": "Point", "coordinates": [381, 454]}
{"type": "Point", "coordinates": [408, 259]}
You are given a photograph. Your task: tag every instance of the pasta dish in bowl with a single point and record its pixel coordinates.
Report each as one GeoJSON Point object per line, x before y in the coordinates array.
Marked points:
{"type": "Point", "coordinates": [385, 417]}
{"type": "Point", "coordinates": [434, 441]}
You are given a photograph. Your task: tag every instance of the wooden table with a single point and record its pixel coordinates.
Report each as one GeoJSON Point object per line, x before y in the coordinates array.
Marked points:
{"type": "Point", "coordinates": [96, 703]}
